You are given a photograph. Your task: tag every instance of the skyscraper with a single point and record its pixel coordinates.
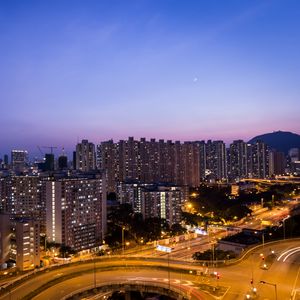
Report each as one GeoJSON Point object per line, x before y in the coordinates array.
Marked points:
{"type": "Point", "coordinates": [154, 200]}
{"type": "Point", "coordinates": [49, 162]}
{"type": "Point", "coordinates": [62, 162]}
{"type": "Point", "coordinates": [85, 156]}
{"type": "Point", "coordinates": [76, 211]}
{"type": "Point", "coordinates": [216, 160]}
{"type": "Point", "coordinates": [21, 196]}
{"type": "Point", "coordinates": [238, 162]}
{"type": "Point", "coordinates": [19, 160]}
{"type": "Point", "coordinates": [149, 162]}
{"type": "Point", "coordinates": [260, 158]}
{"type": "Point", "coordinates": [277, 162]}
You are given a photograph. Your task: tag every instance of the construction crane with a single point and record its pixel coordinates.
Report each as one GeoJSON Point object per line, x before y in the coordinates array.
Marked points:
{"type": "Point", "coordinates": [50, 147]}
{"type": "Point", "coordinates": [40, 150]}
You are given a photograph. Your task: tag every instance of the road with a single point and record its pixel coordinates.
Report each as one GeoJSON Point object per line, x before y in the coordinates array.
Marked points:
{"type": "Point", "coordinates": [185, 249]}
{"type": "Point", "coordinates": [283, 272]}
{"type": "Point", "coordinates": [140, 273]}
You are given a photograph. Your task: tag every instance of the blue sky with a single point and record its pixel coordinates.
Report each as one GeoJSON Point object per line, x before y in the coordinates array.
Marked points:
{"type": "Point", "coordinates": [180, 70]}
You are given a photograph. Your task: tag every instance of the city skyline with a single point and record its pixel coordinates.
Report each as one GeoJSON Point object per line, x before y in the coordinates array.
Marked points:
{"type": "Point", "coordinates": [153, 69]}
{"type": "Point", "coordinates": [37, 151]}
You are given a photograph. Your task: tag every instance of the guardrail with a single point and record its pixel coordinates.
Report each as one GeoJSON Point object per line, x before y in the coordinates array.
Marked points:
{"type": "Point", "coordinates": [184, 264]}
{"type": "Point", "coordinates": [254, 248]}
{"type": "Point", "coordinates": [143, 286]}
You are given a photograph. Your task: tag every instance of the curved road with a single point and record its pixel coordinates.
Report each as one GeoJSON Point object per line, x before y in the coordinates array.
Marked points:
{"type": "Point", "coordinates": [283, 272]}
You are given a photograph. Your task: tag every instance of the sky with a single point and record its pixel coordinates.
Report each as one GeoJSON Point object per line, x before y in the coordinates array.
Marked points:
{"type": "Point", "coordinates": [170, 69]}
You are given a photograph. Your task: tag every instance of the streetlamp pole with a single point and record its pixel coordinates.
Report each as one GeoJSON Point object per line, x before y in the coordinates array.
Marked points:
{"type": "Point", "coordinates": [273, 284]}
{"type": "Point", "coordinates": [252, 271]}
{"type": "Point", "coordinates": [45, 244]}
{"type": "Point", "coordinates": [283, 224]}
{"type": "Point", "coordinates": [213, 256]}
{"type": "Point", "coordinates": [166, 250]}
{"type": "Point", "coordinates": [123, 245]}
{"type": "Point", "coordinates": [169, 270]}
{"type": "Point", "coordinates": [94, 273]}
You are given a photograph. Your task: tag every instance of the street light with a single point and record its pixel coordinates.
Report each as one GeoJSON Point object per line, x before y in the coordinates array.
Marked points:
{"type": "Point", "coordinates": [123, 245]}
{"type": "Point", "coordinates": [167, 250]}
{"type": "Point", "coordinates": [273, 284]}
{"type": "Point", "coordinates": [94, 273]}
{"type": "Point", "coordinates": [283, 223]}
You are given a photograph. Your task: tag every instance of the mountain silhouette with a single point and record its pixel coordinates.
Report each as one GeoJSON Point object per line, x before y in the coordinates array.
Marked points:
{"type": "Point", "coordinates": [280, 140]}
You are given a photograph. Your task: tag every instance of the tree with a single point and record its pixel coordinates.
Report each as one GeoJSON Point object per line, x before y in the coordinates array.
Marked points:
{"type": "Point", "coordinates": [177, 229]}
{"type": "Point", "coordinates": [154, 227]}
{"type": "Point", "coordinates": [189, 219]}
{"type": "Point", "coordinates": [66, 251]}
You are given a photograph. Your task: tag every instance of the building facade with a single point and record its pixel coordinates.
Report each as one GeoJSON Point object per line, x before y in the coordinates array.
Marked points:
{"type": "Point", "coordinates": [25, 243]}
{"type": "Point", "coordinates": [21, 197]}
{"type": "Point", "coordinates": [85, 156]}
{"type": "Point", "coordinates": [149, 162]}
{"type": "Point", "coordinates": [152, 200]}
{"type": "Point", "coordinates": [19, 160]}
{"type": "Point", "coordinates": [76, 211]}
{"type": "Point", "coordinates": [5, 235]}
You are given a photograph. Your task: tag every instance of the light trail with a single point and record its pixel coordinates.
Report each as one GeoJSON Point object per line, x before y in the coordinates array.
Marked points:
{"type": "Point", "coordinates": [287, 252]}
{"type": "Point", "coordinates": [290, 254]}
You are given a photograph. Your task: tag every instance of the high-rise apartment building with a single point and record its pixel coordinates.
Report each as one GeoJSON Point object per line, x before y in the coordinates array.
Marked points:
{"type": "Point", "coordinates": [149, 162]}
{"type": "Point", "coordinates": [49, 162]}
{"type": "Point", "coordinates": [133, 194]}
{"type": "Point", "coordinates": [202, 159]}
{"type": "Point", "coordinates": [238, 160]}
{"type": "Point", "coordinates": [294, 160]}
{"type": "Point", "coordinates": [25, 243]}
{"type": "Point", "coordinates": [190, 164]}
{"type": "Point", "coordinates": [21, 196]}
{"type": "Point", "coordinates": [19, 159]}
{"type": "Point", "coordinates": [294, 154]}
{"type": "Point", "coordinates": [179, 163]}
{"type": "Point", "coordinates": [164, 202]}
{"type": "Point", "coordinates": [5, 235]}
{"type": "Point", "coordinates": [109, 163]}
{"type": "Point", "coordinates": [85, 156]}
{"type": "Point", "coordinates": [277, 163]}
{"type": "Point", "coordinates": [152, 200]}
{"type": "Point", "coordinates": [260, 159]}
{"type": "Point", "coordinates": [216, 160]}
{"type": "Point", "coordinates": [76, 211]}
{"type": "Point", "coordinates": [62, 162]}
{"type": "Point", "coordinates": [5, 159]}
{"type": "Point", "coordinates": [4, 162]}
{"type": "Point", "coordinates": [19, 241]}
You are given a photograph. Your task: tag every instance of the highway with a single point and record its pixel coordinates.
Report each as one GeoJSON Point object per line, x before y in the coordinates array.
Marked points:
{"type": "Point", "coordinates": [237, 278]}
{"type": "Point", "coordinates": [184, 250]}
{"type": "Point", "coordinates": [281, 272]}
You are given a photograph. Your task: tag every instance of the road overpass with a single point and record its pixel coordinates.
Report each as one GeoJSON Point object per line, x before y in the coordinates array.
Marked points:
{"type": "Point", "coordinates": [272, 181]}
{"type": "Point", "coordinates": [235, 279]}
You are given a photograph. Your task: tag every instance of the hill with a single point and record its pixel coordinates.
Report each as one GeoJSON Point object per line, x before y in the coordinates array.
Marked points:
{"type": "Point", "coordinates": [279, 140]}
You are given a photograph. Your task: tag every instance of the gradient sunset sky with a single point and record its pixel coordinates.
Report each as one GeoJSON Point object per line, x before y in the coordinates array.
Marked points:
{"type": "Point", "coordinates": [172, 69]}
